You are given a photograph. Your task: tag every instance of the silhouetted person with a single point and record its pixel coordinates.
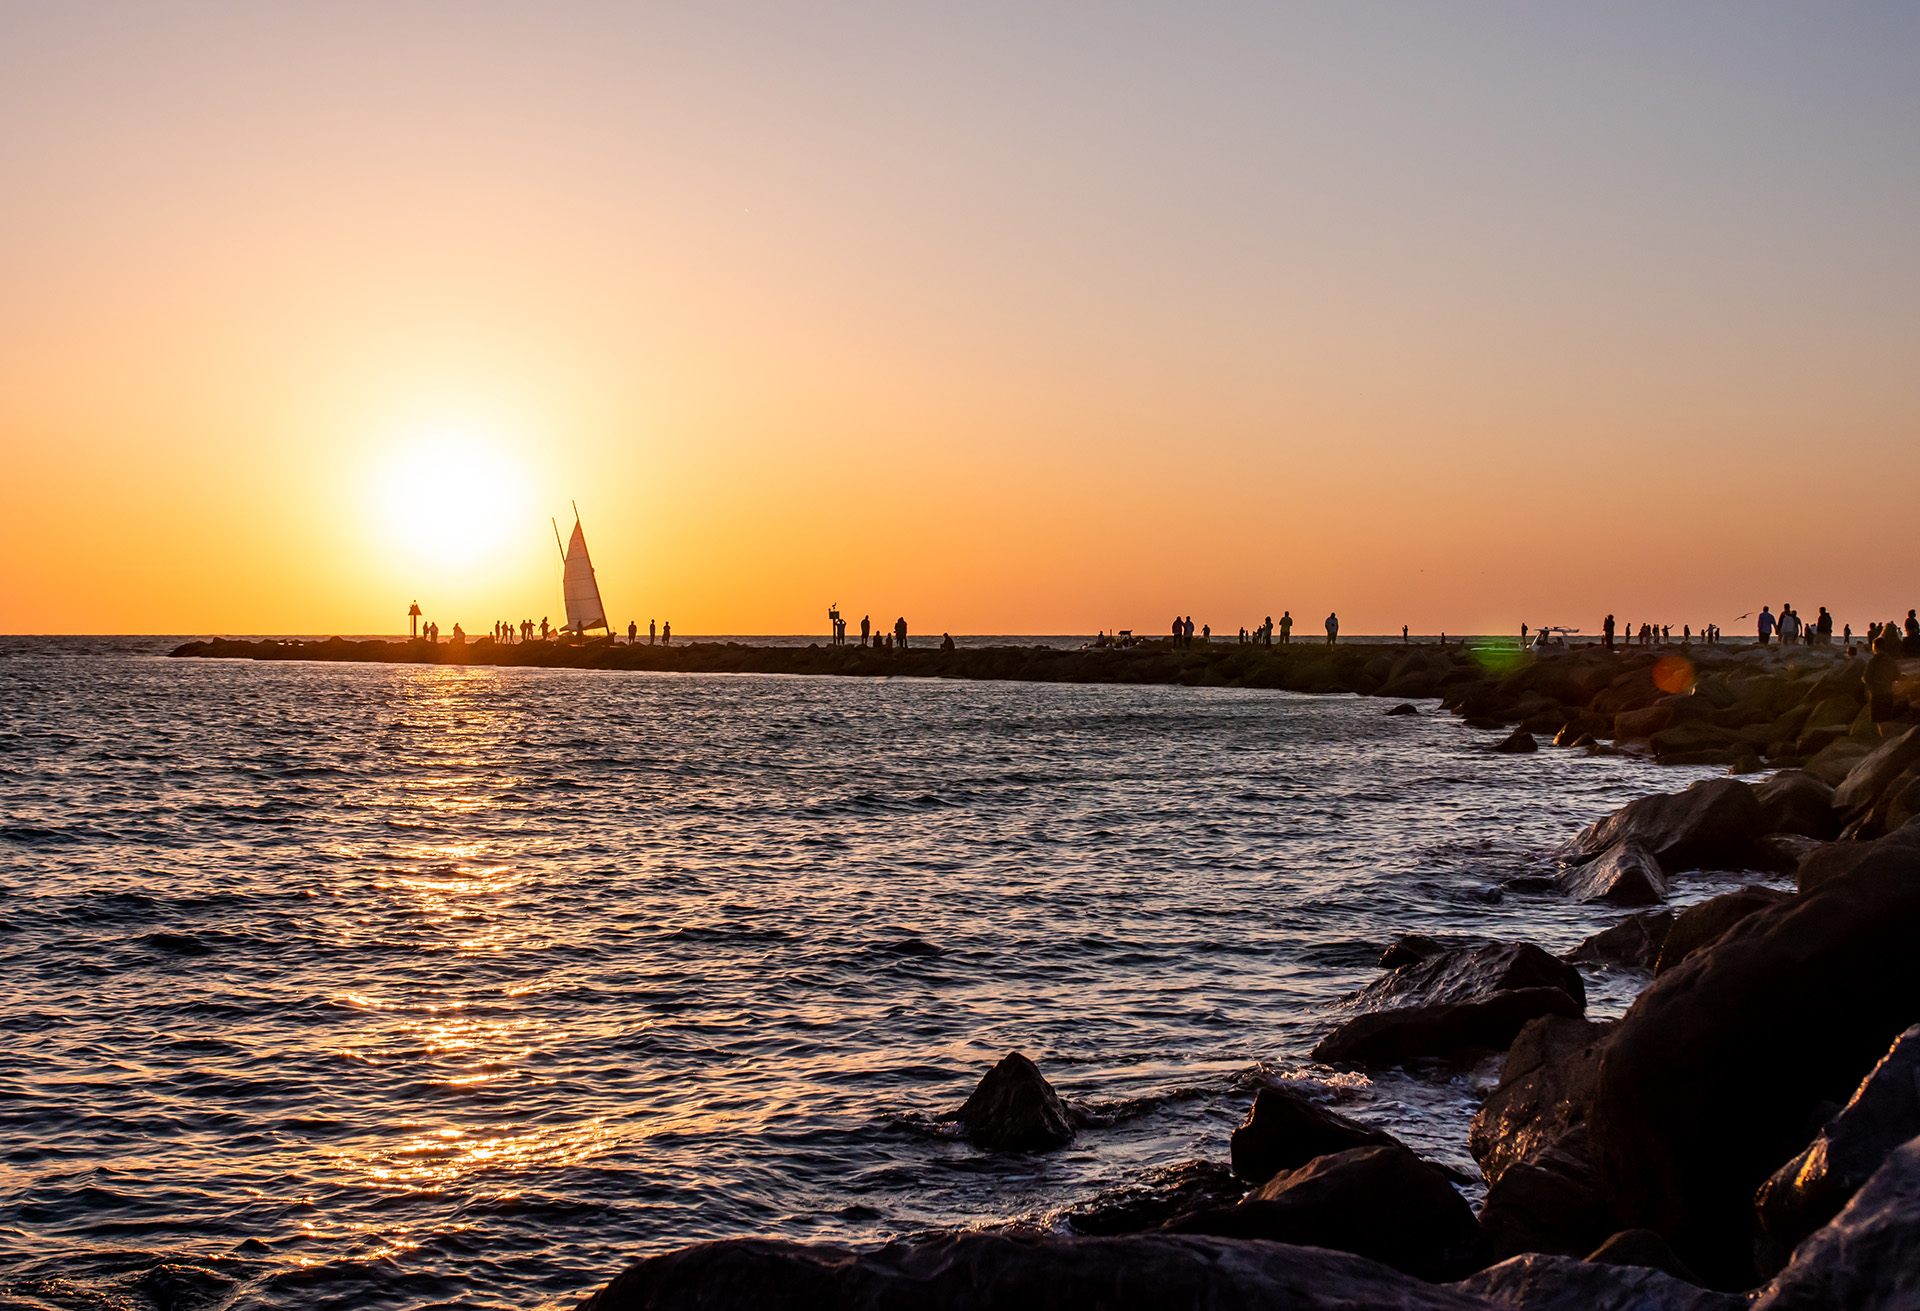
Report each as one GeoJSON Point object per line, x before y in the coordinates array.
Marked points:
{"type": "Point", "coordinates": [1523, 636]}
{"type": "Point", "coordinates": [1403, 634]}
{"type": "Point", "coordinates": [459, 634]}
{"type": "Point", "coordinates": [946, 641]}
{"type": "Point", "coordinates": [1176, 632]}
{"type": "Point", "coordinates": [666, 632]}
{"type": "Point", "coordinates": [866, 628]}
{"type": "Point", "coordinates": [650, 633]}
{"type": "Point", "coordinates": [1333, 628]}
{"type": "Point", "coordinates": [1763, 625]}
{"type": "Point", "coordinates": [1823, 625]}
{"type": "Point", "coordinates": [633, 632]}
{"type": "Point", "coordinates": [1286, 627]}
{"type": "Point", "coordinates": [1206, 634]}
{"type": "Point", "coordinates": [544, 630]}
{"type": "Point", "coordinates": [900, 633]}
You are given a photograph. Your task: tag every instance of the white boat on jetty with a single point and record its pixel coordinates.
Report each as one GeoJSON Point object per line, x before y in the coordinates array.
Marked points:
{"type": "Point", "coordinates": [578, 585]}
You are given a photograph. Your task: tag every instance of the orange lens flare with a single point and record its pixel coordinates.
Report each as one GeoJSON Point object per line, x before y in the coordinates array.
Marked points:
{"type": "Point", "coordinates": [1673, 674]}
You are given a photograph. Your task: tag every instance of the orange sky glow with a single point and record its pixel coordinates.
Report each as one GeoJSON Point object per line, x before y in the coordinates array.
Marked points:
{"type": "Point", "coordinates": [1007, 321]}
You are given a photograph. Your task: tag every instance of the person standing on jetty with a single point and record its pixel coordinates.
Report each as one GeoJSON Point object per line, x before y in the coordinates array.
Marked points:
{"type": "Point", "coordinates": [650, 633]}
{"type": "Point", "coordinates": [1607, 629]}
{"type": "Point", "coordinates": [866, 628]}
{"type": "Point", "coordinates": [900, 633]}
{"type": "Point", "coordinates": [1764, 625]}
{"type": "Point", "coordinates": [1333, 628]}
{"type": "Point", "coordinates": [633, 632]}
{"type": "Point", "coordinates": [1177, 627]}
{"type": "Point", "coordinates": [666, 632]}
{"type": "Point", "coordinates": [1286, 627]}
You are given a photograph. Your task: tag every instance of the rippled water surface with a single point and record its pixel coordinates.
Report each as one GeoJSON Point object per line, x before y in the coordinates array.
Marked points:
{"type": "Point", "coordinates": [336, 985]}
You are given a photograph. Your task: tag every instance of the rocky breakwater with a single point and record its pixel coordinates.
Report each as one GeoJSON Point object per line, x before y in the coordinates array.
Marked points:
{"type": "Point", "coordinates": [1748, 1134]}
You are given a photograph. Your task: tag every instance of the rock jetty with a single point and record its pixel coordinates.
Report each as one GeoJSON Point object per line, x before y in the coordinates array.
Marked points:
{"type": "Point", "coordinates": [1747, 1135]}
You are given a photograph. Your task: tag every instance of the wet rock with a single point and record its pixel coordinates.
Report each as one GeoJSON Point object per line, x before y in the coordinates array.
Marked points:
{"type": "Point", "coordinates": [1624, 875]}
{"type": "Point", "coordinates": [1550, 1203]}
{"type": "Point", "coordinates": [1827, 862]}
{"type": "Point", "coordinates": [1544, 1090]}
{"type": "Point", "coordinates": [1156, 1198]}
{"type": "Point", "coordinates": [1794, 801]}
{"type": "Point", "coordinates": [1634, 943]}
{"type": "Point", "coordinates": [1383, 1203]}
{"type": "Point", "coordinates": [1869, 778]}
{"type": "Point", "coordinates": [1014, 1109]}
{"type": "Point", "coordinates": [1711, 825]}
{"type": "Point", "coordinates": [1810, 1189]}
{"type": "Point", "coordinates": [1472, 997]}
{"type": "Point", "coordinates": [1644, 1248]}
{"type": "Point", "coordinates": [1003, 1272]}
{"type": "Point", "coordinates": [1404, 709]}
{"type": "Point", "coordinates": [1471, 974]}
{"type": "Point", "coordinates": [1783, 851]}
{"type": "Point", "coordinates": [1519, 742]}
{"type": "Point", "coordinates": [1705, 924]}
{"type": "Point", "coordinates": [1562, 1283]}
{"type": "Point", "coordinates": [1406, 1033]}
{"type": "Point", "coordinates": [1868, 1257]}
{"type": "Point", "coordinates": [1640, 725]}
{"type": "Point", "coordinates": [1710, 1081]}
{"type": "Point", "coordinates": [1284, 1130]}
{"type": "Point", "coordinates": [1408, 948]}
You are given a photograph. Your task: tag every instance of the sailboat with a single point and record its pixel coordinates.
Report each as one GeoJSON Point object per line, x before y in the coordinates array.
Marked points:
{"type": "Point", "coordinates": [581, 590]}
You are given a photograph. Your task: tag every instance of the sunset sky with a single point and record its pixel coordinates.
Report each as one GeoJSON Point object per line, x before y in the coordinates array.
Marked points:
{"type": "Point", "coordinates": [1010, 318]}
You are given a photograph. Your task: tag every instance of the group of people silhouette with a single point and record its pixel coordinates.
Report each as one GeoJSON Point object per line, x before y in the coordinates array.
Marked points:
{"type": "Point", "coordinates": [1263, 635]}
{"type": "Point", "coordinates": [664, 635]}
{"type": "Point", "coordinates": [894, 641]}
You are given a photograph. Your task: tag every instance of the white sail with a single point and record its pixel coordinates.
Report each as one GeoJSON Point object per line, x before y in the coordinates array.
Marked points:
{"type": "Point", "coordinates": [584, 610]}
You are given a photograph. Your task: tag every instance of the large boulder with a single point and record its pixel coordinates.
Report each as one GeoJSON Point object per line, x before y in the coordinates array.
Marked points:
{"type": "Point", "coordinates": [1634, 943]}
{"type": "Point", "coordinates": [1383, 1203]}
{"type": "Point", "coordinates": [1810, 1189]}
{"type": "Point", "coordinates": [1867, 780]}
{"type": "Point", "coordinates": [1704, 924]}
{"type": "Point", "coordinates": [1285, 1129]}
{"type": "Point", "coordinates": [1625, 875]}
{"type": "Point", "coordinates": [1711, 1079]}
{"type": "Point", "coordinates": [1466, 998]}
{"type": "Point", "coordinates": [1794, 801]}
{"type": "Point", "coordinates": [1551, 1202]}
{"type": "Point", "coordinates": [1015, 1272]}
{"type": "Point", "coordinates": [1470, 974]}
{"type": "Point", "coordinates": [1868, 1257]}
{"type": "Point", "coordinates": [1711, 825]}
{"type": "Point", "coordinates": [1014, 1109]}
{"type": "Point", "coordinates": [1832, 859]}
{"type": "Point", "coordinates": [1544, 1090]}
{"type": "Point", "coordinates": [1563, 1283]}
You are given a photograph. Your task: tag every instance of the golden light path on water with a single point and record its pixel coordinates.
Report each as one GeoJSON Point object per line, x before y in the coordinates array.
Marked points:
{"type": "Point", "coordinates": [389, 987]}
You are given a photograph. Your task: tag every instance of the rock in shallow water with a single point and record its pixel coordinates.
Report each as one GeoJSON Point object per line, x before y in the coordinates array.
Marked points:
{"type": "Point", "coordinates": [1625, 875]}
{"type": "Point", "coordinates": [1545, 1088]}
{"type": "Point", "coordinates": [1014, 1109]}
{"type": "Point", "coordinates": [1700, 926]}
{"type": "Point", "coordinates": [1284, 1130]}
{"type": "Point", "coordinates": [1383, 1203]}
{"type": "Point", "coordinates": [1711, 825]}
{"type": "Point", "coordinates": [991, 1272]}
{"type": "Point", "coordinates": [1634, 943]}
{"type": "Point", "coordinates": [1477, 997]}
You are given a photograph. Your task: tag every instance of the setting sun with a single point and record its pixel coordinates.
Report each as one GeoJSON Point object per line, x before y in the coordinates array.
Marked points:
{"type": "Point", "coordinates": [449, 499]}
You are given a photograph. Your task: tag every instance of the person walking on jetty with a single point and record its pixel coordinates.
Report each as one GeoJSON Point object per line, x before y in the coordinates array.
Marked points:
{"type": "Point", "coordinates": [1286, 627]}
{"type": "Point", "coordinates": [1333, 628]}
{"type": "Point", "coordinates": [900, 633]}
{"type": "Point", "coordinates": [1764, 625]}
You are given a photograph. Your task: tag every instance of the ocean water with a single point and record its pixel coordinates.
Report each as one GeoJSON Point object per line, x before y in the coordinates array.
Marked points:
{"type": "Point", "coordinates": [355, 986]}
